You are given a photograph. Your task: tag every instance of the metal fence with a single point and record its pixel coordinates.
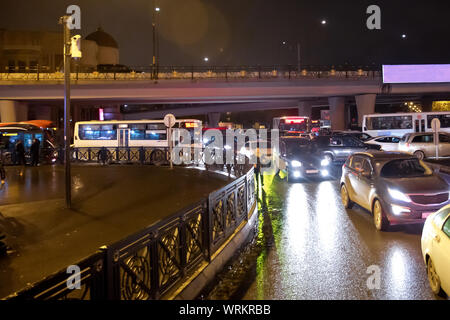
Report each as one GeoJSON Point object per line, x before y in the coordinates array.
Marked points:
{"type": "Point", "coordinates": [198, 73]}
{"type": "Point", "coordinates": [149, 263]}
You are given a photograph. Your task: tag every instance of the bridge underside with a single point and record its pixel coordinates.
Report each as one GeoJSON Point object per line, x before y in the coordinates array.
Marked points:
{"type": "Point", "coordinates": [184, 98]}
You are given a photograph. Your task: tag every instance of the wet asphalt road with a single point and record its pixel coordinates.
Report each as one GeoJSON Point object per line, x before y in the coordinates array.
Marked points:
{"type": "Point", "coordinates": [312, 248]}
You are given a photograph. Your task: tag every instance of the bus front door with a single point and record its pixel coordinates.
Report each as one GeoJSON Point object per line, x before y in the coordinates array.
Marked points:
{"type": "Point", "coordinates": [420, 126]}
{"type": "Point", "coordinates": [123, 137]}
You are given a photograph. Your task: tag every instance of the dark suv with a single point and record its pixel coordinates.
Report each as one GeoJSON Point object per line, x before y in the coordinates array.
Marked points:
{"type": "Point", "coordinates": [338, 148]}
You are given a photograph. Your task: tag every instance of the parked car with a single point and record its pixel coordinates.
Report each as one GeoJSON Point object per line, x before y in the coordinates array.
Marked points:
{"type": "Point", "coordinates": [396, 187]}
{"type": "Point", "coordinates": [436, 250]}
{"type": "Point", "coordinates": [113, 68]}
{"type": "Point", "coordinates": [338, 148]}
{"type": "Point", "coordinates": [422, 145]}
{"type": "Point", "coordinates": [298, 160]}
{"type": "Point", "coordinates": [387, 143]}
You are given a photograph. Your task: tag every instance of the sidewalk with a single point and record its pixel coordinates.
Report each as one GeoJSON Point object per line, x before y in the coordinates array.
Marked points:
{"type": "Point", "coordinates": [110, 203]}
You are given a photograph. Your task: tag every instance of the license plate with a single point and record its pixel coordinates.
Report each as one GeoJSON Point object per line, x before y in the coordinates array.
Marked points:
{"type": "Point", "coordinates": [426, 214]}
{"type": "Point", "coordinates": [312, 171]}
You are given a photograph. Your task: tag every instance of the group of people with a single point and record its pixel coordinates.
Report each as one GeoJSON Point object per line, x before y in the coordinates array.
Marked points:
{"type": "Point", "coordinates": [20, 153]}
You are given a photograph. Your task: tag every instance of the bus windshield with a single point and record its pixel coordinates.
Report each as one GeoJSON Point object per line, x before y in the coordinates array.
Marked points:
{"type": "Point", "coordinates": [294, 126]}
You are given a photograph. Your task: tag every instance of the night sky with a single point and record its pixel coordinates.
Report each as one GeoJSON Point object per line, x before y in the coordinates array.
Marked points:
{"type": "Point", "coordinates": [251, 32]}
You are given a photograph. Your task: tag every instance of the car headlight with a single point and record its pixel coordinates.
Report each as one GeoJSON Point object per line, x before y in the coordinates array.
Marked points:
{"type": "Point", "coordinates": [397, 195]}
{"type": "Point", "coordinates": [296, 164]}
{"type": "Point", "coordinates": [398, 210]}
{"type": "Point", "coordinates": [325, 162]}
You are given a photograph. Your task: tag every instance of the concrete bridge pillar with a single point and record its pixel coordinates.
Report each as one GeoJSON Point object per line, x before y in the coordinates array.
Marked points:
{"type": "Point", "coordinates": [13, 111]}
{"type": "Point", "coordinates": [337, 112]}
{"type": "Point", "coordinates": [213, 119]}
{"type": "Point", "coordinates": [366, 105]}
{"type": "Point", "coordinates": [305, 109]}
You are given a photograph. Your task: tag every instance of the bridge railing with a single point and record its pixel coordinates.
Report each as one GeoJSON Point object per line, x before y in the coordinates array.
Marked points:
{"type": "Point", "coordinates": [196, 73]}
{"type": "Point", "coordinates": [149, 263]}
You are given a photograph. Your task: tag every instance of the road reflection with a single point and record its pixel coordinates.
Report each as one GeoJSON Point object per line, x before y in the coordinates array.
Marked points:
{"type": "Point", "coordinates": [312, 248]}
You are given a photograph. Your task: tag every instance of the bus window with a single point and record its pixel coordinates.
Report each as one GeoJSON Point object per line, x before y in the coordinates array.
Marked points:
{"type": "Point", "coordinates": [156, 126]}
{"type": "Point", "coordinates": [97, 132]}
{"type": "Point", "coordinates": [152, 135]}
{"type": "Point", "coordinates": [444, 118]}
{"type": "Point", "coordinates": [390, 123]}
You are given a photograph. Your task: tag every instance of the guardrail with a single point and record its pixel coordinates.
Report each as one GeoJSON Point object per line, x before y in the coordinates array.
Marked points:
{"type": "Point", "coordinates": [149, 263]}
{"type": "Point", "coordinates": [198, 73]}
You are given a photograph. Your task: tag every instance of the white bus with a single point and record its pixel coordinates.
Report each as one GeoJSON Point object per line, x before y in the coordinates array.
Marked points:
{"type": "Point", "coordinates": [399, 124]}
{"type": "Point", "coordinates": [129, 133]}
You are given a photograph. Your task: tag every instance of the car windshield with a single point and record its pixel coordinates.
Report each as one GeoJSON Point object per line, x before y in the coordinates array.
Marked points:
{"type": "Point", "coordinates": [405, 168]}
{"type": "Point", "coordinates": [297, 146]}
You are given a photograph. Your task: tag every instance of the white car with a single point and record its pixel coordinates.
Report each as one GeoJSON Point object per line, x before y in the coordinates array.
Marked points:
{"type": "Point", "coordinates": [436, 250]}
{"type": "Point", "coordinates": [389, 144]}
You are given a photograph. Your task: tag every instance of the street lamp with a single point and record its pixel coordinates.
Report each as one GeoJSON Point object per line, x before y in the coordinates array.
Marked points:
{"type": "Point", "coordinates": [72, 48]}
{"type": "Point", "coordinates": [155, 61]}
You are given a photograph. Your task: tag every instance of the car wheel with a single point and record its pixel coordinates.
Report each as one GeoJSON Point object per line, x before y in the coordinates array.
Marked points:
{"type": "Point", "coordinates": [379, 217]}
{"type": "Point", "coordinates": [433, 278]}
{"type": "Point", "coordinates": [419, 155]}
{"type": "Point", "coordinates": [348, 204]}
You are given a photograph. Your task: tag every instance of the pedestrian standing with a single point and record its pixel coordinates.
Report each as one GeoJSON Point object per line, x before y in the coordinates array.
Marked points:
{"type": "Point", "coordinates": [35, 152]}
{"type": "Point", "coordinates": [20, 151]}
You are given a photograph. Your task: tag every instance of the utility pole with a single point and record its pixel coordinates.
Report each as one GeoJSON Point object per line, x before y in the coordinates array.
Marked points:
{"type": "Point", "coordinates": [298, 57]}
{"type": "Point", "coordinates": [67, 130]}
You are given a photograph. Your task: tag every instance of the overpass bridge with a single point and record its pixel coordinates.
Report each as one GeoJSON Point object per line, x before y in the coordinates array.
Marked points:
{"type": "Point", "coordinates": [212, 92]}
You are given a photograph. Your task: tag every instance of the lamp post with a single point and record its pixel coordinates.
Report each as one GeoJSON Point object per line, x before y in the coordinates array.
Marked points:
{"type": "Point", "coordinates": [67, 132]}
{"type": "Point", "coordinates": [155, 61]}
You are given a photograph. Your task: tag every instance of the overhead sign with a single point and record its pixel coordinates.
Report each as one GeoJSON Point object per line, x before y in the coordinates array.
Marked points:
{"type": "Point", "coordinates": [418, 73]}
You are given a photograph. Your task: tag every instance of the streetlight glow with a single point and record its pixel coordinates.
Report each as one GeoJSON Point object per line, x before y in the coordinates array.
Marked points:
{"type": "Point", "coordinates": [324, 21]}
{"type": "Point", "coordinates": [157, 9]}
{"type": "Point", "coordinates": [206, 59]}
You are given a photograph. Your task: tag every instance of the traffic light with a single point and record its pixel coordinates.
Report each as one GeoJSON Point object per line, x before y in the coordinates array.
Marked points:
{"type": "Point", "coordinates": [75, 47]}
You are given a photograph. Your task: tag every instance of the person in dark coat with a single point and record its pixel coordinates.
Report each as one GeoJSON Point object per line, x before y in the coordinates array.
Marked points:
{"type": "Point", "coordinates": [34, 150]}
{"type": "Point", "coordinates": [20, 152]}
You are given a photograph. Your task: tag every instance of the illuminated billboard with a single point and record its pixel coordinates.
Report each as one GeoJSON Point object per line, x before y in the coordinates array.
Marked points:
{"type": "Point", "coordinates": [419, 73]}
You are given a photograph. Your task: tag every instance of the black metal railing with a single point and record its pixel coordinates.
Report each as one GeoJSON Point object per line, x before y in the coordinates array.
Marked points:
{"type": "Point", "coordinates": [149, 263]}
{"type": "Point", "coordinates": [39, 73]}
